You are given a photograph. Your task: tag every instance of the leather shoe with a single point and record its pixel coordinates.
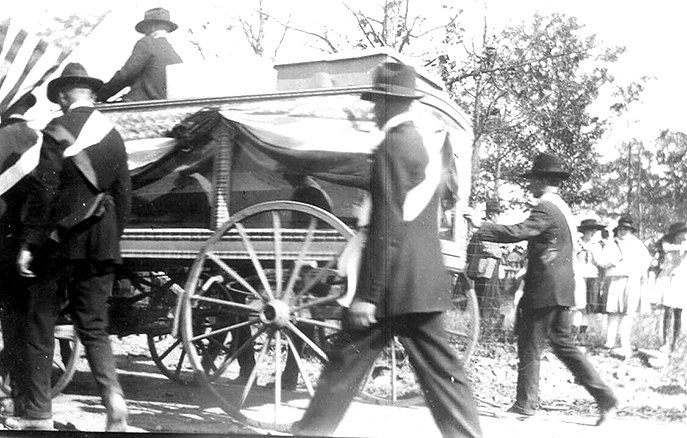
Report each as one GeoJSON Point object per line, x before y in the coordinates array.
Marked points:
{"type": "Point", "coordinates": [21, 423]}
{"type": "Point", "coordinates": [606, 414]}
{"type": "Point", "coordinates": [117, 413]}
{"type": "Point", "coordinates": [6, 406]}
{"type": "Point", "coordinates": [517, 409]}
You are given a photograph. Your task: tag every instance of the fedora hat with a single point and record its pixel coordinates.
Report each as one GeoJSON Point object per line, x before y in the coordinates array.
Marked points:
{"type": "Point", "coordinates": [677, 227]}
{"type": "Point", "coordinates": [590, 224]}
{"type": "Point", "coordinates": [625, 222]}
{"type": "Point", "coordinates": [73, 74]}
{"type": "Point", "coordinates": [547, 165]}
{"type": "Point", "coordinates": [155, 15]}
{"type": "Point", "coordinates": [393, 79]}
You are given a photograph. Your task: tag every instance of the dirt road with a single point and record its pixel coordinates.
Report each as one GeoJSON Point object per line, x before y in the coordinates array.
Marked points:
{"type": "Point", "coordinates": [158, 405]}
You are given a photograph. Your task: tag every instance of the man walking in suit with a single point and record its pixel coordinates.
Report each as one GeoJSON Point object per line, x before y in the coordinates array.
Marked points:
{"type": "Point", "coordinates": [544, 309]}
{"type": "Point", "coordinates": [75, 215]}
{"type": "Point", "coordinates": [403, 288]}
{"type": "Point", "coordinates": [16, 138]}
{"type": "Point", "coordinates": [145, 70]}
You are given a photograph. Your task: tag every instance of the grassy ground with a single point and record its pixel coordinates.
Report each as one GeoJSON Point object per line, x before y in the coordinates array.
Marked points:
{"type": "Point", "coordinates": [646, 390]}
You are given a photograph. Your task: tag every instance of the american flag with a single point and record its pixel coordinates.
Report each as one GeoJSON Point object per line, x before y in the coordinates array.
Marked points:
{"type": "Point", "coordinates": [26, 61]}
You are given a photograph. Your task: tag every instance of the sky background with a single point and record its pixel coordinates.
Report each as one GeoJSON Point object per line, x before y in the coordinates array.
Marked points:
{"type": "Point", "coordinates": [651, 31]}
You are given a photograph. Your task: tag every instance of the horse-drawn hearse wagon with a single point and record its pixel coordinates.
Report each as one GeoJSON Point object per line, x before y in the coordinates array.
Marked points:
{"type": "Point", "coordinates": [242, 206]}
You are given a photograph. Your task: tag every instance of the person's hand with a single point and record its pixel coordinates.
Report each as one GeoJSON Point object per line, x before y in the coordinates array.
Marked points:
{"type": "Point", "coordinates": [362, 314]}
{"type": "Point", "coordinates": [24, 259]}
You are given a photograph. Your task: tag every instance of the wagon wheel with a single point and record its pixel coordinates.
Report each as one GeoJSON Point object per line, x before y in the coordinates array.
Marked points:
{"type": "Point", "coordinates": [392, 380]}
{"type": "Point", "coordinates": [276, 261]}
{"type": "Point", "coordinates": [166, 350]}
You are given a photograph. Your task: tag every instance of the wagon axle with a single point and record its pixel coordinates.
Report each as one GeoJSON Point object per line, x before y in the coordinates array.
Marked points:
{"type": "Point", "coordinates": [276, 313]}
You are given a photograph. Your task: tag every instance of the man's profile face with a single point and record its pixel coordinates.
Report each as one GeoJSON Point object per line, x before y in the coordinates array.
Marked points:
{"type": "Point", "coordinates": [379, 109]}
{"type": "Point", "coordinates": [536, 186]}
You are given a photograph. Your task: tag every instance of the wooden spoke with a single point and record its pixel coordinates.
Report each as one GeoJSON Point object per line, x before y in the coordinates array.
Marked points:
{"type": "Point", "coordinates": [318, 277]}
{"type": "Point", "coordinates": [299, 260]}
{"type": "Point", "coordinates": [301, 365]}
{"type": "Point", "coordinates": [246, 345]}
{"type": "Point", "coordinates": [256, 261]}
{"type": "Point", "coordinates": [224, 329]}
{"type": "Point", "coordinates": [316, 302]}
{"type": "Point", "coordinates": [254, 372]}
{"type": "Point", "coordinates": [182, 356]}
{"type": "Point", "coordinates": [170, 349]}
{"type": "Point", "coordinates": [308, 341]}
{"type": "Point", "coordinates": [212, 256]}
{"type": "Point", "coordinates": [318, 323]}
{"type": "Point", "coordinates": [224, 303]}
{"type": "Point", "coordinates": [276, 222]}
{"type": "Point", "coordinates": [277, 373]}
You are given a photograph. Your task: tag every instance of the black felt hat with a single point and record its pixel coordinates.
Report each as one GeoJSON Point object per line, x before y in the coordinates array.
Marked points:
{"type": "Point", "coordinates": [393, 79]}
{"type": "Point", "coordinates": [625, 222]}
{"type": "Point", "coordinates": [73, 74]}
{"type": "Point", "coordinates": [547, 165]}
{"type": "Point", "coordinates": [590, 224]}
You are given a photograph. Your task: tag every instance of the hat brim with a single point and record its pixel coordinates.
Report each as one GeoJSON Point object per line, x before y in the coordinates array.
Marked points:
{"type": "Point", "coordinates": [679, 230]}
{"type": "Point", "coordinates": [560, 175]}
{"type": "Point", "coordinates": [142, 26]}
{"type": "Point", "coordinates": [373, 95]}
{"type": "Point", "coordinates": [591, 227]}
{"type": "Point", "coordinates": [626, 227]}
{"type": "Point", "coordinates": [58, 83]}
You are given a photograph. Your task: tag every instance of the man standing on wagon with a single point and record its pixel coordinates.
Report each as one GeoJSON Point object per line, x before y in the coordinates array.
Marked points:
{"type": "Point", "coordinates": [145, 70]}
{"type": "Point", "coordinates": [74, 218]}
{"type": "Point", "coordinates": [403, 287]}
{"type": "Point", "coordinates": [544, 309]}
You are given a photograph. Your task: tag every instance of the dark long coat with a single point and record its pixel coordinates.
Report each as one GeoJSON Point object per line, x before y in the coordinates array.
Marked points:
{"type": "Point", "coordinates": [145, 71]}
{"type": "Point", "coordinates": [549, 280]}
{"type": "Point", "coordinates": [402, 269]}
{"type": "Point", "coordinates": [60, 189]}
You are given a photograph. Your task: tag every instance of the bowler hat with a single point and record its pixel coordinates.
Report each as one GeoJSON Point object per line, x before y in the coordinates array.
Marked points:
{"type": "Point", "coordinates": [493, 205]}
{"type": "Point", "coordinates": [73, 74]}
{"type": "Point", "coordinates": [677, 227]}
{"type": "Point", "coordinates": [625, 222]}
{"type": "Point", "coordinates": [155, 15]}
{"type": "Point", "coordinates": [590, 224]}
{"type": "Point", "coordinates": [393, 79]}
{"type": "Point", "coordinates": [27, 101]}
{"type": "Point", "coordinates": [547, 165]}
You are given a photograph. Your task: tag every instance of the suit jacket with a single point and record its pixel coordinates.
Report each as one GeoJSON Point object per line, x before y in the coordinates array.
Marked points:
{"type": "Point", "coordinates": [402, 268]}
{"type": "Point", "coordinates": [549, 280]}
{"type": "Point", "coordinates": [60, 189]}
{"type": "Point", "coordinates": [16, 137]}
{"type": "Point", "coordinates": [144, 71]}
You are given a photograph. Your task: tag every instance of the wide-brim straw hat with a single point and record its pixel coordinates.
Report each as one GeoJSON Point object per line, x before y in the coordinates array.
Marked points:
{"type": "Point", "coordinates": [393, 79]}
{"type": "Point", "coordinates": [547, 165]}
{"type": "Point", "coordinates": [155, 15]}
{"type": "Point", "coordinates": [73, 74]}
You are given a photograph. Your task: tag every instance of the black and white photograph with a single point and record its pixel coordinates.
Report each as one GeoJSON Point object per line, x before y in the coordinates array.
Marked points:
{"type": "Point", "coordinates": [348, 218]}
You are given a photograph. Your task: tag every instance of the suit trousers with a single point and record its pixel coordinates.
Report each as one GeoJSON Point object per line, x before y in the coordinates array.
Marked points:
{"type": "Point", "coordinates": [538, 325]}
{"type": "Point", "coordinates": [89, 285]}
{"type": "Point", "coordinates": [12, 318]}
{"type": "Point", "coordinates": [439, 371]}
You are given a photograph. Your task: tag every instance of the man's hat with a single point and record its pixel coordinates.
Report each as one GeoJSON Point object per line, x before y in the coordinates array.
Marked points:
{"type": "Point", "coordinates": [26, 101]}
{"type": "Point", "coordinates": [73, 74]}
{"type": "Point", "coordinates": [677, 227]}
{"type": "Point", "coordinates": [155, 15]}
{"type": "Point", "coordinates": [625, 222]}
{"type": "Point", "coordinates": [590, 224]}
{"type": "Point", "coordinates": [493, 206]}
{"type": "Point", "coordinates": [547, 165]}
{"type": "Point", "coordinates": [393, 79]}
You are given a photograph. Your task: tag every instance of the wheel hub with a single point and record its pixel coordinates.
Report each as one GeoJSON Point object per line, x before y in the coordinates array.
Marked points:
{"type": "Point", "coordinates": [276, 312]}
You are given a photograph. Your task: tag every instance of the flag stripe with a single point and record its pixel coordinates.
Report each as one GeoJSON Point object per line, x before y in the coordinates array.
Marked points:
{"type": "Point", "coordinates": [12, 54]}
{"type": "Point", "coordinates": [36, 55]}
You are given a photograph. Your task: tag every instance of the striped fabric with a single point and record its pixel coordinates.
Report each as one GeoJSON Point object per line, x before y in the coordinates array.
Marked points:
{"type": "Point", "coordinates": [26, 61]}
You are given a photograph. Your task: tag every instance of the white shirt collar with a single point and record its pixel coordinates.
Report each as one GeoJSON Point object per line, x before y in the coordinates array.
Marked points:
{"type": "Point", "coordinates": [160, 33]}
{"type": "Point", "coordinates": [81, 103]}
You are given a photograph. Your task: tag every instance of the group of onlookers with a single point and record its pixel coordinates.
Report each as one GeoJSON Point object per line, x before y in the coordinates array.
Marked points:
{"type": "Point", "coordinates": [617, 276]}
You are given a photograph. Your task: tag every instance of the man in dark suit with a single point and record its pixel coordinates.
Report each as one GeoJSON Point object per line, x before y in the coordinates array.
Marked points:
{"type": "Point", "coordinates": [16, 138]}
{"type": "Point", "coordinates": [145, 70]}
{"type": "Point", "coordinates": [403, 288]}
{"type": "Point", "coordinates": [544, 309]}
{"type": "Point", "coordinates": [75, 215]}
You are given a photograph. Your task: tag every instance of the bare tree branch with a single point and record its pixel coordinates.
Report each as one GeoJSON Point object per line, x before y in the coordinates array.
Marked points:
{"type": "Point", "coordinates": [287, 26]}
